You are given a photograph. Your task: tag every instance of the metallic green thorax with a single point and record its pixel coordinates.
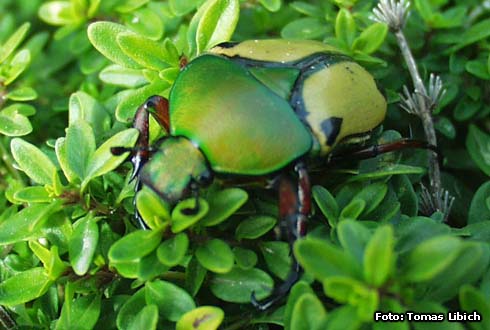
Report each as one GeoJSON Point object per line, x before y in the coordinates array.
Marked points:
{"type": "Point", "coordinates": [172, 168]}
{"type": "Point", "coordinates": [241, 126]}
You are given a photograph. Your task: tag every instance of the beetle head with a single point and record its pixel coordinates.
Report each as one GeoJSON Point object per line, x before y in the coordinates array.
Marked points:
{"type": "Point", "coordinates": [176, 168]}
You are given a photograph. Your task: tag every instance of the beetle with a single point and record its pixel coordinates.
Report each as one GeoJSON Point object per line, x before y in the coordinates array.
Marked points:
{"type": "Point", "coordinates": [258, 108]}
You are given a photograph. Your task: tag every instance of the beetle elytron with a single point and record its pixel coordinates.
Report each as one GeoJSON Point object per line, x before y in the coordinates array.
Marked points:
{"type": "Point", "coordinates": [255, 109]}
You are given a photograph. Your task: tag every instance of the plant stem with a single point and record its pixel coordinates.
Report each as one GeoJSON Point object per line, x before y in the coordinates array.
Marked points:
{"type": "Point", "coordinates": [425, 114]}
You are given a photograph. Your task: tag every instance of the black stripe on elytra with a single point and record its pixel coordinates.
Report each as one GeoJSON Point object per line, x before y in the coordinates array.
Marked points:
{"type": "Point", "coordinates": [331, 128]}
{"type": "Point", "coordinates": [227, 44]}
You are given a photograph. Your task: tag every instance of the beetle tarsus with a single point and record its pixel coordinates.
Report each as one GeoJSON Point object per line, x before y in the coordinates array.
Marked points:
{"type": "Point", "coordinates": [378, 149]}
{"type": "Point", "coordinates": [279, 292]}
{"type": "Point", "coordinates": [194, 210]}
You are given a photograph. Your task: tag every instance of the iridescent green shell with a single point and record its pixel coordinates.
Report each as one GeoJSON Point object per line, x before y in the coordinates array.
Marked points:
{"type": "Point", "coordinates": [240, 125]}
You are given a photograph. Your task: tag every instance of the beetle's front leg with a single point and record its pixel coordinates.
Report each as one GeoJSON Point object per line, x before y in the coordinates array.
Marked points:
{"type": "Point", "coordinates": [294, 208]}
{"type": "Point", "coordinates": [140, 153]}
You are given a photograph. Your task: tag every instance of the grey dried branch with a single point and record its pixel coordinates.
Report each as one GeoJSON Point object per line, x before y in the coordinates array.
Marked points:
{"type": "Point", "coordinates": [393, 13]}
{"type": "Point", "coordinates": [436, 91]}
{"type": "Point", "coordinates": [420, 102]}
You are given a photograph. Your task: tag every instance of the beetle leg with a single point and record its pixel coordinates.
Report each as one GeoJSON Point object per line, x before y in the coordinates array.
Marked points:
{"type": "Point", "coordinates": [294, 208]}
{"type": "Point", "coordinates": [195, 194]}
{"type": "Point", "coordinates": [141, 123]}
{"type": "Point", "coordinates": [377, 149]}
{"type": "Point", "coordinates": [140, 153]}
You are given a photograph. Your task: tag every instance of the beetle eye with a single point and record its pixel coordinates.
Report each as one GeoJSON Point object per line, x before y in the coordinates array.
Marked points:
{"type": "Point", "coordinates": [205, 178]}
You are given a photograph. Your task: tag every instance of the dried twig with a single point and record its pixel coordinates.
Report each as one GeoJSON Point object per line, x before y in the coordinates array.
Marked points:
{"type": "Point", "coordinates": [420, 102]}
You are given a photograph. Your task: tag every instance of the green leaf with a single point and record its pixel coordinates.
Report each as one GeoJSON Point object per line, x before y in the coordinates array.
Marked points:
{"type": "Point", "coordinates": [82, 313]}
{"type": "Point", "coordinates": [131, 100]}
{"type": "Point", "coordinates": [238, 284]}
{"type": "Point", "coordinates": [172, 301]}
{"type": "Point", "coordinates": [304, 28]}
{"type": "Point", "coordinates": [35, 194]}
{"type": "Point", "coordinates": [194, 276]}
{"type": "Point", "coordinates": [222, 204]}
{"type": "Point", "coordinates": [20, 108]}
{"type": "Point", "coordinates": [147, 319]}
{"type": "Point", "coordinates": [182, 7]}
{"type": "Point", "coordinates": [478, 145]}
{"type": "Point", "coordinates": [217, 23]}
{"type": "Point", "coordinates": [172, 251]}
{"type": "Point", "coordinates": [146, 52]}
{"type": "Point", "coordinates": [181, 220]}
{"type": "Point", "coordinates": [127, 313]}
{"type": "Point", "coordinates": [11, 44]}
{"type": "Point", "coordinates": [379, 257]}
{"type": "Point", "coordinates": [128, 6]}
{"type": "Point", "coordinates": [27, 223]}
{"type": "Point", "coordinates": [327, 204]}
{"type": "Point", "coordinates": [475, 33]}
{"type": "Point", "coordinates": [271, 5]}
{"type": "Point", "coordinates": [277, 256]}
{"type": "Point", "coordinates": [58, 13]}
{"type": "Point", "coordinates": [371, 38]}
{"type": "Point", "coordinates": [353, 237]}
{"type": "Point", "coordinates": [149, 267]}
{"type": "Point", "coordinates": [121, 76]}
{"type": "Point", "coordinates": [425, 9]}
{"type": "Point", "coordinates": [201, 318]}
{"type": "Point", "coordinates": [102, 160]}
{"type": "Point", "coordinates": [478, 68]}
{"type": "Point", "coordinates": [344, 317]}
{"type": "Point", "coordinates": [14, 124]}
{"type": "Point", "coordinates": [33, 162]}
{"type": "Point", "coordinates": [22, 94]}
{"type": "Point", "coordinates": [345, 27]}
{"type": "Point", "coordinates": [431, 257]}
{"type": "Point", "coordinates": [62, 155]}
{"type": "Point", "coordinates": [470, 264]}
{"type": "Point", "coordinates": [83, 106]}
{"type": "Point", "coordinates": [80, 146]}
{"type": "Point", "coordinates": [83, 243]}
{"type": "Point", "coordinates": [353, 210]}
{"type": "Point", "coordinates": [103, 36]}
{"type": "Point", "coordinates": [299, 289]}
{"type": "Point", "coordinates": [373, 195]}
{"type": "Point", "coordinates": [323, 259]}
{"type": "Point", "coordinates": [154, 210]}
{"type": "Point", "coordinates": [216, 256]}
{"type": "Point", "coordinates": [348, 290]}
{"type": "Point", "coordinates": [307, 313]}
{"type": "Point", "coordinates": [473, 300]}
{"type": "Point", "coordinates": [19, 64]}
{"type": "Point", "coordinates": [145, 21]}
{"type": "Point", "coordinates": [244, 258]}
{"type": "Point", "coordinates": [480, 207]}
{"type": "Point", "coordinates": [389, 170]}
{"type": "Point", "coordinates": [254, 227]}
{"type": "Point", "coordinates": [135, 246]}
{"type": "Point", "coordinates": [25, 286]}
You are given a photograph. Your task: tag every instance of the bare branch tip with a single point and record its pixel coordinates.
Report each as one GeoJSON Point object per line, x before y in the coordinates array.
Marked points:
{"type": "Point", "coordinates": [391, 12]}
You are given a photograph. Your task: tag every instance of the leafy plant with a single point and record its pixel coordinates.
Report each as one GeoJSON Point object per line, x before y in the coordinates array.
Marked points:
{"type": "Point", "coordinates": [72, 74]}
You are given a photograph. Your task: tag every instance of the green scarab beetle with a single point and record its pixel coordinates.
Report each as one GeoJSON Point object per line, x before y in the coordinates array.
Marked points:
{"type": "Point", "coordinates": [260, 108]}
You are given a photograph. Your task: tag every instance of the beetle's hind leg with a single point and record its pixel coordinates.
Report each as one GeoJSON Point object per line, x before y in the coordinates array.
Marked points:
{"type": "Point", "coordinates": [378, 149]}
{"type": "Point", "coordinates": [294, 209]}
